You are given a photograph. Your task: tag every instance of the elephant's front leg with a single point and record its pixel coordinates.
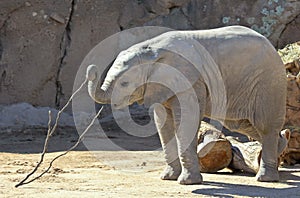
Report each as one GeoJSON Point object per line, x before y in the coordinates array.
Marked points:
{"type": "Point", "coordinates": [268, 170]}
{"type": "Point", "coordinates": [187, 118]}
{"type": "Point", "coordinates": [165, 126]}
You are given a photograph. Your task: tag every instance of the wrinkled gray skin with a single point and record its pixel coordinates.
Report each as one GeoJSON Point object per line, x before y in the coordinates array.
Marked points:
{"type": "Point", "coordinates": [254, 80]}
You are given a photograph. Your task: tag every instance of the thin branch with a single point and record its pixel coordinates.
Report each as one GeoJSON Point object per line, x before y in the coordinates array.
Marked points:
{"type": "Point", "coordinates": [23, 182]}
{"type": "Point", "coordinates": [64, 107]}
{"type": "Point", "coordinates": [50, 132]}
{"type": "Point", "coordinates": [42, 155]}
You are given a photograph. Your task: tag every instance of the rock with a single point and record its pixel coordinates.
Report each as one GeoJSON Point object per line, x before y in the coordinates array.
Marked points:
{"type": "Point", "coordinates": [136, 13]}
{"type": "Point", "coordinates": [83, 32]}
{"type": "Point", "coordinates": [290, 33]}
{"type": "Point", "coordinates": [175, 20]}
{"type": "Point", "coordinates": [266, 17]}
{"type": "Point", "coordinates": [43, 42]}
{"type": "Point", "coordinates": [27, 4]}
{"type": "Point", "coordinates": [22, 116]}
{"type": "Point", "coordinates": [291, 156]}
{"type": "Point", "coordinates": [293, 106]}
{"type": "Point", "coordinates": [291, 58]}
{"type": "Point", "coordinates": [30, 55]}
{"type": "Point", "coordinates": [57, 17]}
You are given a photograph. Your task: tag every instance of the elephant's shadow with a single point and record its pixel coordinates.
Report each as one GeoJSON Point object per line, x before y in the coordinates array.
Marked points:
{"type": "Point", "coordinates": [288, 178]}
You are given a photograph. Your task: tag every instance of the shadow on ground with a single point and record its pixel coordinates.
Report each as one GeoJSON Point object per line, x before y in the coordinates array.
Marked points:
{"type": "Point", "coordinates": [32, 140]}
{"type": "Point", "coordinates": [260, 190]}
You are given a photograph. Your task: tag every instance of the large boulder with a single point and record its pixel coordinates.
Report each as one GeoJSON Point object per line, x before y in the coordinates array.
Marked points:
{"type": "Point", "coordinates": [30, 50]}
{"type": "Point", "coordinates": [291, 58]}
{"type": "Point", "coordinates": [42, 43]}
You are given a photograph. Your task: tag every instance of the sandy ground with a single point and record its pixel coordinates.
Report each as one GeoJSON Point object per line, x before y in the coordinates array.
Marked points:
{"type": "Point", "coordinates": [131, 173]}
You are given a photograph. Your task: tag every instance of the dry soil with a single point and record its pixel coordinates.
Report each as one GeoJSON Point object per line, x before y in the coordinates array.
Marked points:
{"type": "Point", "coordinates": [133, 172]}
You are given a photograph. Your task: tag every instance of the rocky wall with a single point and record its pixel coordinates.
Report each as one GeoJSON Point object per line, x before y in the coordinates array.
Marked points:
{"type": "Point", "coordinates": [42, 42]}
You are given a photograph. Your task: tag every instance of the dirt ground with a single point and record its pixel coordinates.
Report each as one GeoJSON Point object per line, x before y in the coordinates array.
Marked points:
{"type": "Point", "coordinates": [131, 172]}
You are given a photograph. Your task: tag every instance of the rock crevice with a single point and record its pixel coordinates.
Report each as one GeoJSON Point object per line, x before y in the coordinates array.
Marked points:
{"type": "Point", "coordinates": [64, 46]}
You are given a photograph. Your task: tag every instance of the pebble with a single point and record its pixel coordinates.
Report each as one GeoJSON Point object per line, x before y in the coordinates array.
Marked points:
{"type": "Point", "coordinates": [58, 18]}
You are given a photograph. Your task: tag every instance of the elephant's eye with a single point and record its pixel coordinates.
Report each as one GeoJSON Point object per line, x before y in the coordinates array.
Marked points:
{"type": "Point", "coordinates": [124, 84]}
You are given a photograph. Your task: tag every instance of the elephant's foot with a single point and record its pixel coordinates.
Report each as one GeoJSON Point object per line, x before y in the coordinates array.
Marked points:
{"type": "Point", "coordinates": [190, 177]}
{"type": "Point", "coordinates": [170, 173]}
{"type": "Point", "coordinates": [267, 175]}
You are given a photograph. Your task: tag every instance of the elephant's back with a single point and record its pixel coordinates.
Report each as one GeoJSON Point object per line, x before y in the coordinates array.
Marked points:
{"type": "Point", "coordinates": [231, 43]}
{"type": "Point", "coordinates": [223, 33]}
{"type": "Point", "coordinates": [252, 72]}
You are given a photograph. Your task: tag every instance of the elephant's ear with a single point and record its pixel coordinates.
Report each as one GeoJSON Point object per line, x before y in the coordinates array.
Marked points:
{"type": "Point", "coordinates": [156, 90]}
{"type": "Point", "coordinates": [156, 93]}
{"type": "Point", "coordinates": [170, 75]}
{"type": "Point", "coordinates": [179, 64]}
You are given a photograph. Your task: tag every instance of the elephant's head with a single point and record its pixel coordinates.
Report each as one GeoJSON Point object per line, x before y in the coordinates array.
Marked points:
{"type": "Point", "coordinates": [125, 80]}
{"type": "Point", "coordinates": [118, 75]}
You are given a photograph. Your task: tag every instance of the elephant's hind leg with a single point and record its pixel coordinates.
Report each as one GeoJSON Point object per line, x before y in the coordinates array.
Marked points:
{"type": "Point", "coordinates": [165, 126]}
{"type": "Point", "coordinates": [268, 170]}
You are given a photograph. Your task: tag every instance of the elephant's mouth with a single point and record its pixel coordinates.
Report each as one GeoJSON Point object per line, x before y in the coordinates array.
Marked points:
{"type": "Point", "coordinates": [120, 104]}
{"type": "Point", "coordinates": [129, 100]}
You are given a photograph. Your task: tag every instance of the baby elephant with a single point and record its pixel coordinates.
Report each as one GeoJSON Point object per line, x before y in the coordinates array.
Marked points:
{"type": "Point", "coordinates": [231, 74]}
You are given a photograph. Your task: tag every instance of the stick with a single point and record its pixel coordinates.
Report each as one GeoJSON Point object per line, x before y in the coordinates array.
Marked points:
{"type": "Point", "coordinates": [42, 155]}
{"type": "Point", "coordinates": [49, 133]}
{"type": "Point", "coordinates": [64, 107]}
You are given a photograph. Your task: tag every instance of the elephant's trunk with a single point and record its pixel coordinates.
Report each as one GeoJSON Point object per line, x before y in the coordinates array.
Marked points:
{"type": "Point", "coordinates": [96, 93]}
